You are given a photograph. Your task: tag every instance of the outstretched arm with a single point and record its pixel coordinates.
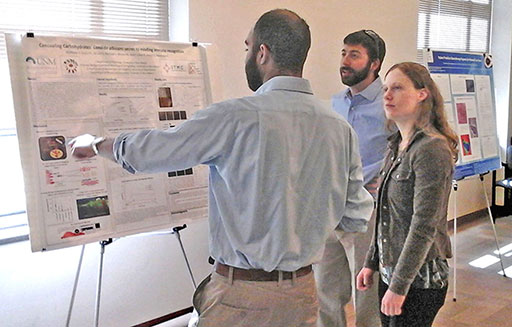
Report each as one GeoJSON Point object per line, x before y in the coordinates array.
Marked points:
{"type": "Point", "coordinates": [87, 146]}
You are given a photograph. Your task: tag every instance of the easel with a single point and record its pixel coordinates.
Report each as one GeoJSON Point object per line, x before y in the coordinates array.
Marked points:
{"type": "Point", "coordinates": [493, 223]}
{"type": "Point", "coordinates": [103, 244]}
{"type": "Point", "coordinates": [176, 231]}
{"type": "Point", "coordinates": [98, 285]}
{"type": "Point", "coordinates": [455, 187]}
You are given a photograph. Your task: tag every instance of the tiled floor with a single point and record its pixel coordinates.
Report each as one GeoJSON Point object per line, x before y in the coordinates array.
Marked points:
{"type": "Point", "coordinates": [483, 297]}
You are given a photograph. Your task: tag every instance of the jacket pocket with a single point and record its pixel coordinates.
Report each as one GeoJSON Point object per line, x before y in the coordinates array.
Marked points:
{"type": "Point", "coordinates": [401, 188]}
{"type": "Point", "coordinates": [401, 174]}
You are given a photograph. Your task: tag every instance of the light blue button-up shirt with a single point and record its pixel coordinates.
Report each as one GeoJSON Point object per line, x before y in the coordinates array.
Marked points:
{"type": "Point", "coordinates": [365, 113]}
{"type": "Point", "coordinates": [284, 170]}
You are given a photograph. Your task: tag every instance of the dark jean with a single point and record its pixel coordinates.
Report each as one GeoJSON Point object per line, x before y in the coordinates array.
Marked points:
{"type": "Point", "coordinates": [419, 309]}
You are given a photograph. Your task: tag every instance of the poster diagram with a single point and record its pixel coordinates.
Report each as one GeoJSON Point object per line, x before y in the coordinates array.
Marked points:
{"type": "Point", "coordinates": [64, 87]}
{"type": "Point", "coordinates": [465, 82]}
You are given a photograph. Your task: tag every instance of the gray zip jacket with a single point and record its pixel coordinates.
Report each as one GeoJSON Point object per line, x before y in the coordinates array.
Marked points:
{"type": "Point", "coordinates": [412, 208]}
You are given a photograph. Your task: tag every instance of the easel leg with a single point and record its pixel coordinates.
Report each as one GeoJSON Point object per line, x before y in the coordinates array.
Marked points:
{"type": "Point", "coordinates": [77, 276]}
{"type": "Point", "coordinates": [176, 231]}
{"type": "Point", "coordinates": [493, 224]}
{"type": "Point", "coordinates": [455, 187]}
{"type": "Point", "coordinates": [100, 275]}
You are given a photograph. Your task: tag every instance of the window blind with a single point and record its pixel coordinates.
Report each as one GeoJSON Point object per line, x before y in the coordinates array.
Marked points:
{"type": "Point", "coordinates": [459, 25]}
{"type": "Point", "coordinates": [141, 19]}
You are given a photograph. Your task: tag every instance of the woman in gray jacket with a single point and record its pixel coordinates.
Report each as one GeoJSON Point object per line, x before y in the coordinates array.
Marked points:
{"type": "Point", "coordinates": [411, 243]}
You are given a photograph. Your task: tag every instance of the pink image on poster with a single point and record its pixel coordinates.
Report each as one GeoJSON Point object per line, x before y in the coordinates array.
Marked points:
{"type": "Point", "coordinates": [462, 114]}
{"type": "Point", "coordinates": [466, 144]}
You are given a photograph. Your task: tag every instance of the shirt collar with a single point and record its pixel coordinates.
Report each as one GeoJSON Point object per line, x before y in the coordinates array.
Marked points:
{"type": "Point", "coordinates": [285, 83]}
{"type": "Point", "coordinates": [371, 92]}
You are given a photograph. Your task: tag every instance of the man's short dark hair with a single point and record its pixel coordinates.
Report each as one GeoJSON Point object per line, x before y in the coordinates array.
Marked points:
{"type": "Point", "coordinates": [371, 41]}
{"type": "Point", "coordinates": [286, 35]}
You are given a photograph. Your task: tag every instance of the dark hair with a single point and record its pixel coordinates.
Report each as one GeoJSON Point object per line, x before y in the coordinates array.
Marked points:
{"type": "Point", "coordinates": [432, 117]}
{"type": "Point", "coordinates": [286, 35]}
{"type": "Point", "coordinates": [372, 42]}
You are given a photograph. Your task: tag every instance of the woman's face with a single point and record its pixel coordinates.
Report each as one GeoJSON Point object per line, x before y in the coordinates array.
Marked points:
{"type": "Point", "coordinates": [401, 99]}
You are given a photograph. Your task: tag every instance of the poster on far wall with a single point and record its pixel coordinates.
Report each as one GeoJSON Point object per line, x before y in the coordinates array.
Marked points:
{"type": "Point", "coordinates": [466, 84]}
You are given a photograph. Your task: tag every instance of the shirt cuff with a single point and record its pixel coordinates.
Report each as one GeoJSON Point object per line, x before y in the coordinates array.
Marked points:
{"type": "Point", "coordinates": [118, 149]}
{"type": "Point", "coordinates": [399, 285]}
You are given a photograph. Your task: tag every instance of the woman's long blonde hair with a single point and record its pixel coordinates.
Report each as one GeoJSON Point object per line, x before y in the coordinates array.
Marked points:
{"type": "Point", "coordinates": [432, 117]}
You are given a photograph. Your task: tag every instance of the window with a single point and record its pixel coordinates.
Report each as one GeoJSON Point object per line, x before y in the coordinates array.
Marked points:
{"type": "Point", "coordinates": [134, 19]}
{"type": "Point", "coordinates": [458, 25]}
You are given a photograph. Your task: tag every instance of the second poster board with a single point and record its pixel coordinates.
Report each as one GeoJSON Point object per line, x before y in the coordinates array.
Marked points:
{"type": "Point", "coordinates": [466, 84]}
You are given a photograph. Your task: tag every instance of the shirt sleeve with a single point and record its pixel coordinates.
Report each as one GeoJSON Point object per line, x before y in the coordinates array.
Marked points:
{"type": "Point", "coordinates": [201, 140]}
{"type": "Point", "coordinates": [432, 166]}
{"type": "Point", "coordinates": [359, 203]}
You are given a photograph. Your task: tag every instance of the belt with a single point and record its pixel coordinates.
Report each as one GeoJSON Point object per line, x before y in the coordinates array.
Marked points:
{"type": "Point", "coordinates": [259, 275]}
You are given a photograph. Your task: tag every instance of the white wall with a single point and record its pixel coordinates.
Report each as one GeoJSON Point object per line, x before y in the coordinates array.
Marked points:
{"type": "Point", "coordinates": [179, 21]}
{"type": "Point", "coordinates": [502, 53]}
{"type": "Point", "coordinates": [145, 277]}
{"type": "Point", "coordinates": [225, 23]}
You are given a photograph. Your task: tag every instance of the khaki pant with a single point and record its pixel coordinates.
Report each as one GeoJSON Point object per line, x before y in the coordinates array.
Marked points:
{"type": "Point", "coordinates": [343, 257]}
{"type": "Point", "coordinates": [224, 302]}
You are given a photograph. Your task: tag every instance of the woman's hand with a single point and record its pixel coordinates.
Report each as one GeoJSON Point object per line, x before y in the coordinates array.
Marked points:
{"type": "Point", "coordinates": [364, 279]}
{"type": "Point", "coordinates": [392, 303]}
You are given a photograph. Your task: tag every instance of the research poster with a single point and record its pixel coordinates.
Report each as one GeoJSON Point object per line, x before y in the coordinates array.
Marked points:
{"type": "Point", "coordinates": [466, 84]}
{"type": "Point", "coordinates": [64, 87]}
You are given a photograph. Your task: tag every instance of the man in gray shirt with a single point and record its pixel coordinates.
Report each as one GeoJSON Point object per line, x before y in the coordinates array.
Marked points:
{"type": "Point", "coordinates": [284, 170]}
{"type": "Point", "coordinates": [361, 104]}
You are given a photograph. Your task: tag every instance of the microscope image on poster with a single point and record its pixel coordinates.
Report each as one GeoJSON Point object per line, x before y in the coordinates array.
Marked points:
{"type": "Point", "coordinates": [52, 148]}
{"type": "Point", "coordinates": [93, 207]}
